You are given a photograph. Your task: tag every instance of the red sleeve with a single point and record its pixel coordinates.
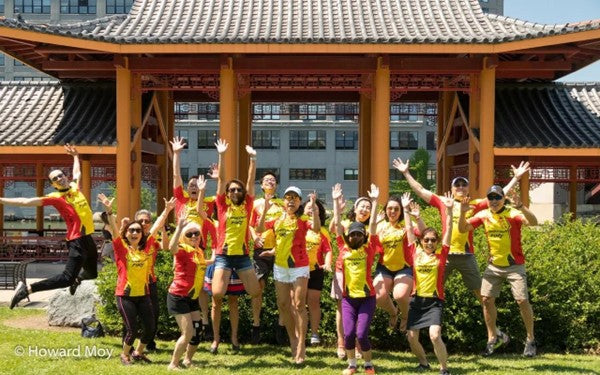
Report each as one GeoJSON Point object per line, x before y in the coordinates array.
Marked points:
{"type": "Point", "coordinates": [475, 221]}
{"type": "Point", "coordinates": [416, 231]}
{"type": "Point", "coordinates": [410, 254]}
{"type": "Point", "coordinates": [270, 224]}
{"type": "Point", "coordinates": [51, 201]}
{"type": "Point", "coordinates": [375, 245]}
{"type": "Point", "coordinates": [340, 242]}
{"type": "Point", "coordinates": [220, 202]}
{"type": "Point", "coordinates": [209, 230]}
{"type": "Point", "coordinates": [119, 250]}
{"type": "Point", "coordinates": [444, 253]}
{"type": "Point", "coordinates": [481, 204]}
{"type": "Point", "coordinates": [436, 202]}
{"type": "Point", "coordinates": [178, 193]}
{"type": "Point", "coordinates": [254, 217]}
{"type": "Point", "coordinates": [325, 244]}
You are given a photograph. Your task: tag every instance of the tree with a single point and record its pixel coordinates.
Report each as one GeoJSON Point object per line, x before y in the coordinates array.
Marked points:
{"type": "Point", "coordinates": [419, 165]}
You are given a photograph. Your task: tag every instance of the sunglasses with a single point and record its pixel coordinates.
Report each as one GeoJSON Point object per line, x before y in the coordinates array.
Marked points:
{"type": "Point", "coordinates": [57, 177]}
{"type": "Point", "coordinates": [134, 230]}
{"type": "Point", "coordinates": [428, 240]}
{"type": "Point", "coordinates": [291, 197]}
{"type": "Point", "coordinates": [193, 234]}
{"type": "Point", "coordinates": [235, 190]}
{"type": "Point", "coordinates": [494, 197]}
{"type": "Point", "coordinates": [144, 221]}
{"type": "Point", "coordinates": [460, 184]}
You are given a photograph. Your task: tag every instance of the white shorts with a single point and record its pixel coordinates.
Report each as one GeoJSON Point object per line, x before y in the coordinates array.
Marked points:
{"type": "Point", "coordinates": [289, 275]}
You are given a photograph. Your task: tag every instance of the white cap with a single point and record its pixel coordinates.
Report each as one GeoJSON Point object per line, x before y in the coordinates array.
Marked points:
{"type": "Point", "coordinates": [293, 189]}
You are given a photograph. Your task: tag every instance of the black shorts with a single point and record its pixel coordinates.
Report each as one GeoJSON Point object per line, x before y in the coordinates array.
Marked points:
{"type": "Point", "coordinates": [181, 305]}
{"type": "Point", "coordinates": [424, 312]}
{"type": "Point", "coordinates": [263, 266]}
{"type": "Point", "coordinates": [315, 280]}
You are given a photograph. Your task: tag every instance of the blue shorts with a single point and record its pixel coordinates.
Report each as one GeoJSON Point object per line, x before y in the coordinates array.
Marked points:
{"type": "Point", "coordinates": [385, 272]}
{"type": "Point", "coordinates": [236, 263]}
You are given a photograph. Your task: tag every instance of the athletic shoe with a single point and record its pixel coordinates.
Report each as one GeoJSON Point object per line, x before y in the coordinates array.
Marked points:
{"type": "Point", "coordinates": [315, 339]}
{"type": "Point", "coordinates": [444, 372]}
{"type": "Point", "coordinates": [421, 367]}
{"type": "Point", "coordinates": [370, 370]}
{"type": "Point", "coordinates": [255, 339]}
{"type": "Point", "coordinates": [151, 346]}
{"type": "Point", "coordinates": [530, 348]}
{"type": "Point", "coordinates": [492, 346]}
{"type": "Point", "coordinates": [281, 335]}
{"type": "Point", "coordinates": [20, 294]}
{"type": "Point", "coordinates": [349, 371]}
{"type": "Point", "coordinates": [341, 352]}
{"type": "Point", "coordinates": [73, 287]}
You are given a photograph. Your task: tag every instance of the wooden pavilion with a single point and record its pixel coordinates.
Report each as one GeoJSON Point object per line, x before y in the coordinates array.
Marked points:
{"type": "Point", "coordinates": [371, 52]}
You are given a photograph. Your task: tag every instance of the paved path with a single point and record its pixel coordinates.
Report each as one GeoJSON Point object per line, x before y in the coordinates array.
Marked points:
{"type": "Point", "coordinates": [38, 300]}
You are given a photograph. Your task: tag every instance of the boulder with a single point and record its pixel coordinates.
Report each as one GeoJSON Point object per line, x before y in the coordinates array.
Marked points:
{"type": "Point", "coordinates": [67, 310]}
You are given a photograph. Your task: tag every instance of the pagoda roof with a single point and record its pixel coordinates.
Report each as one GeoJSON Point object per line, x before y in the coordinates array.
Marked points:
{"type": "Point", "coordinates": [305, 22]}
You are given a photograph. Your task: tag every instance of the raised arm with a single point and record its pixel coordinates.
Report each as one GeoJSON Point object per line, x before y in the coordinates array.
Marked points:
{"type": "Point", "coordinates": [406, 201]}
{"type": "Point", "coordinates": [251, 170]}
{"type": "Point", "coordinates": [448, 203]}
{"type": "Point", "coordinates": [71, 150]}
{"type": "Point", "coordinates": [174, 243]}
{"type": "Point", "coordinates": [107, 203]}
{"type": "Point", "coordinates": [316, 221]}
{"type": "Point", "coordinates": [221, 148]}
{"type": "Point", "coordinates": [36, 201]}
{"type": "Point", "coordinates": [200, 203]}
{"type": "Point", "coordinates": [332, 223]}
{"type": "Point", "coordinates": [373, 194]}
{"type": "Point", "coordinates": [415, 212]}
{"type": "Point", "coordinates": [260, 227]}
{"type": "Point", "coordinates": [177, 144]}
{"type": "Point", "coordinates": [162, 218]}
{"type": "Point", "coordinates": [518, 172]}
{"type": "Point", "coordinates": [336, 194]}
{"type": "Point", "coordinates": [463, 225]}
{"type": "Point", "coordinates": [530, 218]}
{"type": "Point", "coordinates": [414, 184]}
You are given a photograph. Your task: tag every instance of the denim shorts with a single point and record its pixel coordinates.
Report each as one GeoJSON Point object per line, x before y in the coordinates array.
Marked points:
{"type": "Point", "coordinates": [236, 263]}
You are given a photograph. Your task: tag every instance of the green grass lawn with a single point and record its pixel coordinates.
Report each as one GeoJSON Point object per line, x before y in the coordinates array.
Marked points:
{"type": "Point", "coordinates": [18, 348]}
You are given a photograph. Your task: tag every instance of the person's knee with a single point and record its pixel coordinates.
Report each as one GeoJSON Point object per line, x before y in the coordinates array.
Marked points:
{"type": "Point", "coordinates": [523, 303]}
{"type": "Point", "coordinates": [435, 336]}
{"type": "Point", "coordinates": [488, 301]}
{"type": "Point", "coordinates": [283, 304]}
{"type": "Point", "coordinates": [197, 331]}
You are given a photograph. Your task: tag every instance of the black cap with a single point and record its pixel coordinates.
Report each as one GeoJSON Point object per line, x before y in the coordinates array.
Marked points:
{"type": "Point", "coordinates": [496, 189]}
{"type": "Point", "coordinates": [357, 227]}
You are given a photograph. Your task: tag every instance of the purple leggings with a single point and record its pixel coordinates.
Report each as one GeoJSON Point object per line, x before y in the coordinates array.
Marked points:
{"type": "Point", "coordinates": [357, 314]}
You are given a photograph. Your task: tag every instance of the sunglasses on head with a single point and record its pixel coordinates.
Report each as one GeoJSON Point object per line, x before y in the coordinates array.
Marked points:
{"type": "Point", "coordinates": [144, 221]}
{"type": "Point", "coordinates": [235, 190]}
{"type": "Point", "coordinates": [494, 197]}
{"type": "Point", "coordinates": [134, 230]}
{"type": "Point", "coordinates": [429, 239]}
{"type": "Point", "coordinates": [193, 234]}
{"type": "Point", "coordinates": [57, 177]}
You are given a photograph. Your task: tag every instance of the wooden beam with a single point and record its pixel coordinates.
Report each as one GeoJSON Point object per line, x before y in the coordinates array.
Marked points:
{"type": "Point", "coordinates": [447, 129]}
{"type": "Point", "coordinates": [84, 74]}
{"type": "Point", "coordinates": [472, 136]}
{"type": "Point", "coordinates": [61, 66]}
{"type": "Point", "coordinates": [161, 125]}
{"type": "Point", "coordinates": [53, 150]}
{"type": "Point", "coordinates": [380, 129]}
{"type": "Point", "coordinates": [486, 125]}
{"type": "Point", "coordinates": [525, 74]}
{"type": "Point", "coordinates": [152, 148]}
{"type": "Point", "coordinates": [534, 65]}
{"type": "Point", "coordinates": [55, 49]}
{"type": "Point", "coordinates": [189, 64]}
{"type": "Point", "coordinates": [425, 65]}
{"type": "Point", "coordinates": [549, 151]}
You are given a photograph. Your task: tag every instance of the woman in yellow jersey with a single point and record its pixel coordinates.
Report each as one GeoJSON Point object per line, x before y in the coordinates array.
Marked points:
{"type": "Point", "coordinates": [318, 246]}
{"type": "Point", "coordinates": [360, 212]}
{"type": "Point", "coordinates": [291, 270]}
{"type": "Point", "coordinates": [134, 253]}
{"type": "Point", "coordinates": [428, 294]}
{"type": "Point", "coordinates": [393, 273]}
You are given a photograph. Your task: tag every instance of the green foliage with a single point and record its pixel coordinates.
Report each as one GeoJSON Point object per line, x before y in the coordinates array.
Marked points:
{"type": "Point", "coordinates": [563, 269]}
{"type": "Point", "coordinates": [419, 165]}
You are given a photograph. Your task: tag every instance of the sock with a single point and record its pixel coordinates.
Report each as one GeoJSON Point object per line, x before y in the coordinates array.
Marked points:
{"type": "Point", "coordinates": [352, 362]}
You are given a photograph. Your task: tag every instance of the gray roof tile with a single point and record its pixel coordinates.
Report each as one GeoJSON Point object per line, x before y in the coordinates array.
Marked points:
{"type": "Point", "coordinates": [306, 21]}
{"type": "Point", "coordinates": [51, 113]}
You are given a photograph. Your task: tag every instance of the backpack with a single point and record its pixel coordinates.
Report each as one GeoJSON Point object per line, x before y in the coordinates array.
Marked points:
{"type": "Point", "coordinates": [91, 327]}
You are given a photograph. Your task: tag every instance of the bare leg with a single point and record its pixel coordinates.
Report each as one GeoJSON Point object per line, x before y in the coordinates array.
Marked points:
{"type": "Point", "coordinates": [402, 289]}
{"type": "Point", "coordinates": [284, 305]}
{"type": "Point", "coordinates": [490, 313]}
{"type": "Point", "coordinates": [203, 301]}
{"type": "Point", "coordinates": [191, 349]}
{"type": "Point", "coordinates": [314, 309]}
{"type": "Point", "coordinates": [340, 329]}
{"type": "Point", "coordinates": [257, 304]}
{"type": "Point", "coordinates": [415, 346]}
{"type": "Point", "coordinates": [220, 282]}
{"type": "Point", "coordinates": [184, 321]}
{"type": "Point", "coordinates": [435, 334]}
{"type": "Point", "coordinates": [527, 315]}
{"type": "Point", "coordinates": [383, 286]}
{"type": "Point", "coordinates": [234, 318]}
{"type": "Point", "coordinates": [299, 290]}
{"type": "Point", "coordinates": [250, 282]}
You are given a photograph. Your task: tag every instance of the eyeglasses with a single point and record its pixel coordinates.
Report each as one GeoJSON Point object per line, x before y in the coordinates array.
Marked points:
{"type": "Point", "coordinates": [460, 184]}
{"type": "Point", "coordinates": [193, 234]}
{"type": "Point", "coordinates": [428, 240]}
{"type": "Point", "coordinates": [235, 190]}
{"type": "Point", "coordinates": [57, 177]}
{"type": "Point", "coordinates": [145, 221]}
{"type": "Point", "coordinates": [269, 179]}
{"type": "Point", "coordinates": [134, 230]}
{"type": "Point", "coordinates": [494, 197]}
{"type": "Point", "coordinates": [290, 197]}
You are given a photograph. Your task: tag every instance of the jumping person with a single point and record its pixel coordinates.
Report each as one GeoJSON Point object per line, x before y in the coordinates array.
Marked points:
{"type": "Point", "coordinates": [134, 251]}
{"type": "Point", "coordinates": [318, 247]}
{"type": "Point", "coordinates": [234, 206]}
{"type": "Point", "coordinates": [291, 269]}
{"type": "Point", "coordinates": [357, 251]}
{"type": "Point", "coordinates": [426, 304]}
{"type": "Point", "coordinates": [502, 225]}
{"type": "Point", "coordinates": [72, 205]}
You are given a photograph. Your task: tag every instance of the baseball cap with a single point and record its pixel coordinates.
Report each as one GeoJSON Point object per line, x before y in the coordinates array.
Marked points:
{"type": "Point", "coordinates": [293, 189]}
{"type": "Point", "coordinates": [357, 227]}
{"type": "Point", "coordinates": [496, 189]}
{"type": "Point", "coordinates": [459, 178]}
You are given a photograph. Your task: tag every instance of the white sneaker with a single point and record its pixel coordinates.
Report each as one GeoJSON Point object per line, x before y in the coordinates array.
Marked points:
{"type": "Point", "coordinates": [315, 339]}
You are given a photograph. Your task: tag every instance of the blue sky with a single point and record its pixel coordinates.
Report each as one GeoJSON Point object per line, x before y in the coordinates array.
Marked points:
{"type": "Point", "coordinates": [559, 11]}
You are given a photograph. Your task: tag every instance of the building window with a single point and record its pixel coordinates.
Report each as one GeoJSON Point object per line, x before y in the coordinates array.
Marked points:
{"type": "Point", "coordinates": [266, 111]}
{"type": "Point", "coordinates": [346, 112]}
{"type": "Point", "coordinates": [78, 6]}
{"type": "Point", "coordinates": [207, 138]}
{"type": "Point", "coordinates": [404, 140]}
{"type": "Point", "coordinates": [431, 173]}
{"type": "Point", "coordinates": [260, 172]}
{"type": "Point", "coordinates": [350, 174]}
{"type": "Point", "coordinates": [431, 143]}
{"type": "Point", "coordinates": [208, 111]}
{"type": "Point", "coordinates": [18, 78]}
{"type": "Point", "coordinates": [1, 59]}
{"type": "Point", "coordinates": [186, 137]}
{"type": "Point", "coordinates": [396, 175]}
{"type": "Point", "coordinates": [431, 114]}
{"type": "Point", "coordinates": [182, 111]}
{"type": "Point", "coordinates": [307, 139]}
{"type": "Point", "coordinates": [308, 174]}
{"type": "Point", "coordinates": [185, 173]}
{"type": "Point", "coordinates": [265, 139]}
{"type": "Point", "coordinates": [1, 6]}
{"type": "Point", "coordinates": [32, 6]}
{"type": "Point", "coordinates": [18, 63]}
{"type": "Point", "coordinates": [404, 112]}
{"type": "Point", "coordinates": [346, 140]}
{"type": "Point", "coordinates": [308, 111]}
{"type": "Point", "coordinates": [118, 6]}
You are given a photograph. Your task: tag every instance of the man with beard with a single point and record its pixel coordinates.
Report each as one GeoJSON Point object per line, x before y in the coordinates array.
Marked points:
{"type": "Point", "coordinates": [73, 206]}
{"type": "Point", "coordinates": [263, 263]}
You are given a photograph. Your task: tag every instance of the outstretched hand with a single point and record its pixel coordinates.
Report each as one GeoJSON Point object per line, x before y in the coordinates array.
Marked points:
{"type": "Point", "coordinates": [523, 168]}
{"type": "Point", "coordinates": [448, 200]}
{"type": "Point", "coordinates": [201, 182]}
{"type": "Point", "coordinates": [374, 192]}
{"type": "Point", "coordinates": [406, 199]}
{"type": "Point", "coordinates": [221, 146]}
{"type": "Point", "coordinates": [105, 201]}
{"type": "Point", "coordinates": [213, 171]}
{"type": "Point", "coordinates": [465, 204]}
{"type": "Point", "coordinates": [177, 144]}
{"type": "Point", "coordinates": [170, 204]}
{"type": "Point", "coordinates": [401, 166]}
{"type": "Point", "coordinates": [251, 151]}
{"type": "Point", "coordinates": [336, 191]}
{"type": "Point", "coordinates": [268, 197]}
{"type": "Point", "coordinates": [71, 150]}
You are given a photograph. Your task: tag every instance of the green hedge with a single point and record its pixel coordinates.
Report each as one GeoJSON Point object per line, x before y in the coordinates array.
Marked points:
{"type": "Point", "coordinates": [563, 276]}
